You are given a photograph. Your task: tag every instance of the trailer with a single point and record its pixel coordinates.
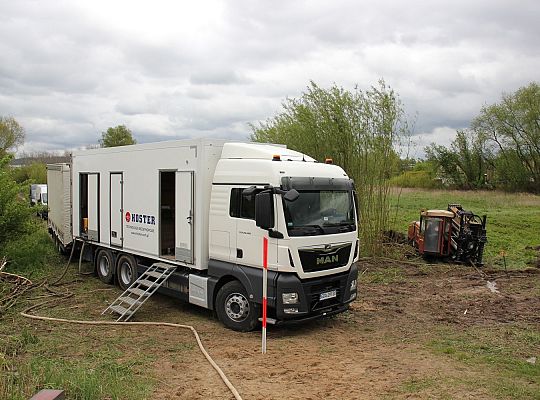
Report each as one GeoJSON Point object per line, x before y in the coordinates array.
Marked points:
{"type": "Point", "coordinates": [187, 218]}
{"type": "Point", "coordinates": [59, 214]}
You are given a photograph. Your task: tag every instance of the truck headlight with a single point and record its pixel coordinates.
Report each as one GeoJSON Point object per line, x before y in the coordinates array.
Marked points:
{"type": "Point", "coordinates": [353, 285]}
{"type": "Point", "coordinates": [289, 298]}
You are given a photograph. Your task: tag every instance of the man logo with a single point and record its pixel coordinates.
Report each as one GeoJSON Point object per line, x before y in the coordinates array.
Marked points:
{"type": "Point", "coordinates": [327, 259]}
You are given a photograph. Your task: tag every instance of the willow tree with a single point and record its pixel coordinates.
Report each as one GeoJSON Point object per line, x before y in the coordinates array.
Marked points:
{"type": "Point", "coordinates": [512, 130]}
{"type": "Point", "coordinates": [360, 130]}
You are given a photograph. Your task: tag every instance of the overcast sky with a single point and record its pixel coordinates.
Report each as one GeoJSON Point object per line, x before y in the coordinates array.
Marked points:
{"type": "Point", "coordinates": [173, 69]}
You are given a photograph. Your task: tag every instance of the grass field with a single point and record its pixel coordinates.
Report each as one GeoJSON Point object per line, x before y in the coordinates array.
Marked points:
{"type": "Point", "coordinates": [513, 220]}
{"type": "Point", "coordinates": [414, 332]}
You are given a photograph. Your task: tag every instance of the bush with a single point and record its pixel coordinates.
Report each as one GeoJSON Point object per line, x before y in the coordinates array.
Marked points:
{"type": "Point", "coordinates": [14, 211]}
{"type": "Point", "coordinates": [27, 253]}
{"type": "Point", "coordinates": [33, 173]}
{"type": "Point", "coordinates": [416, 179]}
{"type": "Point", "coordinates": [23, 238]}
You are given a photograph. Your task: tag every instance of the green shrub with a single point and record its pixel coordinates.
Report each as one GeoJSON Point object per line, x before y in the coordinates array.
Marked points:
{"type": "Point", "coordinates": [33, 173]}
{"type": "Point", "coordinates": [415, 179]}
{"type": "Point", "coordinates": [28, 252]}
{"type": "Point", "coordinates": [23, 238]}
{"type": "Point", "coordinates": [15, 214]}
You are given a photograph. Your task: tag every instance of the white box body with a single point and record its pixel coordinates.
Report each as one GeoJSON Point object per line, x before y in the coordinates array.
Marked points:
{"type": "Point", "coordinates": [118, 191]}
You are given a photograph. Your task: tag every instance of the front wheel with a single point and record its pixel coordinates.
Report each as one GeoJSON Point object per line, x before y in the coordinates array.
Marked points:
{"type": "Point", "coordinates": [234, 309]}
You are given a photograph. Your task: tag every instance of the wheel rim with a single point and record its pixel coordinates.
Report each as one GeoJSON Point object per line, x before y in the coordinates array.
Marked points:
{"type": "Point", "coordinates": [104, 266]}
{"type": "Point", "coordinates": [237, 307]}
{"type": "Point", "coordinates": [126, 273]}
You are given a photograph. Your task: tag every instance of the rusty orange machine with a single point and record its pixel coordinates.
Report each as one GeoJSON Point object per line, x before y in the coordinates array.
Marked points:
{"type": "Point", "coordinates": [456, 234]}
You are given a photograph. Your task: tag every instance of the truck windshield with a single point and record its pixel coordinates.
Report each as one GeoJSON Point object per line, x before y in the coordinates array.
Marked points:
{"type": "Point", "coordinates": [320, 212]}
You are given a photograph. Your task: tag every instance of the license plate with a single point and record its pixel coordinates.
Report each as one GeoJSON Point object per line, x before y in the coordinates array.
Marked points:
{"type": "Point", "coordinates": [328, 295]}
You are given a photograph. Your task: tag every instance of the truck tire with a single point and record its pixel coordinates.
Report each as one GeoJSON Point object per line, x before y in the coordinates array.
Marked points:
{"type": "Point", "coordinates": [105, 266]}
{"type": "Point", "coordinates": [126, 271]}
{"type": "Point", "coordinates": [234, 309]}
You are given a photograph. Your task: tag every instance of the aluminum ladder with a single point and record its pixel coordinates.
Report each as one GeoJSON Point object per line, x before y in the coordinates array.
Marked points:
{"type": "Point", "coordinates": [136, 295]}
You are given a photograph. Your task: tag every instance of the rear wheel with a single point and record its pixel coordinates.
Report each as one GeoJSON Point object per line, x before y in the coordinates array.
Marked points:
{"type": "Point", "coordinates": [234, 309]}
{"type": "Point", "coordinates": [126, 271]}
{"type": "Point", "coordinates": [104, 266]}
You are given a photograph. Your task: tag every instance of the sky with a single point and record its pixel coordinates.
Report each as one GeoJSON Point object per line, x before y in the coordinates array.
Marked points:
{"type": "Point", "coordinates": [189, 69]}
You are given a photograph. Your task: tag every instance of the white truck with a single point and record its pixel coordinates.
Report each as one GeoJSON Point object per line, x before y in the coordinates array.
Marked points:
{"type": "Point", "coordinates": [38, 197]}
{"type": "Point", "coordinates": [38, 194]}
{"type": "Point", "coordinates": [204, 206]}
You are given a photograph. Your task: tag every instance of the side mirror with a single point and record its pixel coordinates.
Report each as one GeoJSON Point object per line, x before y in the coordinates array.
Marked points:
{"type": "Point", "coordinates": [249, 191]}
{"type": "Point", "coordinates": [291, 195]}
{"type": "Point", "coordinates": [264, 210]}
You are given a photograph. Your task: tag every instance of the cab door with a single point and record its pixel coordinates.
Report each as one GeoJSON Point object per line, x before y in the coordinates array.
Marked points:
{"type": "Point", "coordinates": [249, 237]}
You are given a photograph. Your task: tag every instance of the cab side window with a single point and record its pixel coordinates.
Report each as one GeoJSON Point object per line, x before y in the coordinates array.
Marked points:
{"type": "Point", "coordinates": [242, 206]}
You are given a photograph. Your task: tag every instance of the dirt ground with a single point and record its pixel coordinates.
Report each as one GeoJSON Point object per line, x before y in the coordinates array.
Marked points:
{"type": "Point", "coordinates": [378, 349]}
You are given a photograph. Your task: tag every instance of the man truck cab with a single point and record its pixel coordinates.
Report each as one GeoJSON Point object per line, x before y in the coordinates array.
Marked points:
{"type": "Point", "coordinates": [312, 236]}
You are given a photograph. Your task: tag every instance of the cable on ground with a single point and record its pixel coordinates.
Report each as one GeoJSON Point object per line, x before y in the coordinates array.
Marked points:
{"type": "Point", "coordinates": [222, 375]}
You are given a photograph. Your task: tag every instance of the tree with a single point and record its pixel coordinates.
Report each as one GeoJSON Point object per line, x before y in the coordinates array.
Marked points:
{"type": "Point", "coordinates": [359, 130]}
{"type": "Point", "coordinates": [512, 129]}
{"type": "Point", "coordinates": [465, 164]}
{"type": "Point", "coordinates": [503, 142]}
{"type": "Point", "coordinates": [11, 135]}
{"type": "Point", "coordinates": [35, 172]}
{"type": "Point", "coordinates": [117, 136]}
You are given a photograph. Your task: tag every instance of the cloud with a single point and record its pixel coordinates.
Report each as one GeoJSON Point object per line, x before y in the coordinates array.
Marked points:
{"type": "Point", "coordinates": [166, 69]}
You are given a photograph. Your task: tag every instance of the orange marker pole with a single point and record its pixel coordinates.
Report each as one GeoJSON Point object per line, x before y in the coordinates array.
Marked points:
{"type": "Point", "coordinates": [265, 289]}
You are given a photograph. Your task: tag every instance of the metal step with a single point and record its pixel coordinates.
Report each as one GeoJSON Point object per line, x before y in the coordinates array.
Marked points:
{"type": "Point", "coordinates": [119, 309]}
{"type": "Point", "coordinates": [137, 292]}
{"type": "Point", "coordinates": [154, 274]}
{"type": "Point", "coordinates": [146, 282]}
{"type": "Point", "coordinates": [164, 266]}
{"type": "Point", "coordinates": [140, 291]}
{"type": "Point", "coordinates": [129, 300]}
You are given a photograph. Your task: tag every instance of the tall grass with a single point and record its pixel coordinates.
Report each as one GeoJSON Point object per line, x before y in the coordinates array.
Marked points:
{"type": "Point", "coordinates": [100, 376]}
{"type": "Point", "coordinates": [29, 253]}
{"type": "Point", "coordinates": [513, 219]}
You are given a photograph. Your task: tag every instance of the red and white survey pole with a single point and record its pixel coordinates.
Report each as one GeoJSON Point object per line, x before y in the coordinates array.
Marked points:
{"type": "Point", "coordinates": [265, 289]}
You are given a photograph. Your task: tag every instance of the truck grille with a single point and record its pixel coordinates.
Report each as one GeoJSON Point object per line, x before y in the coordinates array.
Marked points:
{"type": "Point", "coordinates": [324, 257]}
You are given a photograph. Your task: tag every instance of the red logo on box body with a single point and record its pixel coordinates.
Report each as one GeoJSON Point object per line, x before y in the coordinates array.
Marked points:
{"type": "Point", "coordinates": [140, 218]}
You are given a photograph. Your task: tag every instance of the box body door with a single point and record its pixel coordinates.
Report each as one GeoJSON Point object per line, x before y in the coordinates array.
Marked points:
{"type": "Point", "coordinates": [116, 209]}
{"type": "Point", "coordinates": [185, 223]}
{"type": "Point", "coordinates": [93, 207]}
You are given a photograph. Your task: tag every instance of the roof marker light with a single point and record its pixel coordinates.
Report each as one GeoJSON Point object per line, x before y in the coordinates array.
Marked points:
{"type": "Point", "coordinates": [276, 157]}
{"type": "Point", "coordinates": [328, 161]}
